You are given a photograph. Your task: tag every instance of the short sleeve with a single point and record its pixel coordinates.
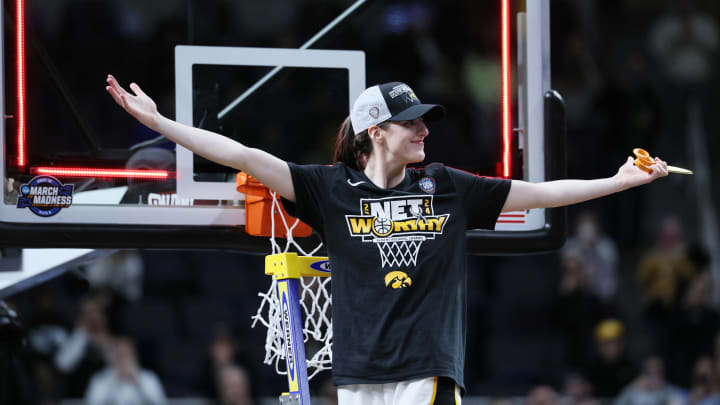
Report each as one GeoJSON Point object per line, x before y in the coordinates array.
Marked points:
{"type": "Point", "coordinates": [311, 184]}
{"type": "Point", "coordinates": [482, 197]}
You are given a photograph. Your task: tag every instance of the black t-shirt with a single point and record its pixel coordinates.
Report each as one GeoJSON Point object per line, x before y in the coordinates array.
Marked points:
{"type": "Point", "coordinates": [398, 265]}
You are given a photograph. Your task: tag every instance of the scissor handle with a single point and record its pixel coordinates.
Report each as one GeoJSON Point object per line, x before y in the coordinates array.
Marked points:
{"type": "Point", "coordinates": [643, 161]}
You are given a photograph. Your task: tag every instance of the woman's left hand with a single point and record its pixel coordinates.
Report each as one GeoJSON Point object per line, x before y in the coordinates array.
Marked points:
{"type": "Point", "coordinates": [632, 176]}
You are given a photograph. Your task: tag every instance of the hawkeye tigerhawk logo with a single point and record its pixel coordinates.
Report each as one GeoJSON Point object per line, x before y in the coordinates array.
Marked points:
{"type": "Point", "coordinates": [397, 279]}
{"type": "Point", "coordinates": [398, 225]}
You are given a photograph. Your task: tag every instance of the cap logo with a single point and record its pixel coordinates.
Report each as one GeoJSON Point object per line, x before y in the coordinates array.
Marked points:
{"type": "Point", "coordinates": [410, 98]}
{"type": "Point", "coordinates": [401, 89]}
{"type": "Point", "coordinates": [374, 112]}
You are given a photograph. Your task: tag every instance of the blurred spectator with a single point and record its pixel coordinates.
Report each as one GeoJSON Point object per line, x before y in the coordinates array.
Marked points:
{"type": "Point", "coordinates": [48, 326]}
{"type": "Point", "coordinates": [650, 387]}
{"type": "Point", "coordinates": [665, 270]}
{"type": "Point", "coordinates": [121, 271]}
{"type": "Point", "coordinates": [577, 310]}
{"type": "Point", "coordinates": [577, 391]}
{"type": "Point", "coordinates": [692, 327]}
{"type": "Point", "coordinates": [599, 254]}
{"type": "Point", "coordinates": [704, 389]}
{"type": "Point", "coordinates": [221, 352]}
{"type": "Point", "coordinates": [542, 395]}
{"type": "Point", "coordinates": [234, 386]}
{"type": "Point", "coordinates": [86, 350]}
{"type": "Point", "coordinates": [663, 274]}
{"type": "Point", "coordinates": [15, 384]}
{"type": "Point", "coordinates": [685, 41]}
{"type": "Point", "coordinates": [47, 331]}
{"type": "Point", "coordinates": [611, 369]}
{"type": "Point", "coordinates": [124, 382]}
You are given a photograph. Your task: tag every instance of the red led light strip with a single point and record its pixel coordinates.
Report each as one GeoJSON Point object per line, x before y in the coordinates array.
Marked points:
{"type": "Point", "coordinates": [22, 122]}
{"type": "Point", "coordinates": [506, 87]}
{"type": "Point", "coordinates": [20, 71]}
{"type": "Point", "coordinates": [106, 173]}
{"type": "Point", "coordinates": [76, 172]}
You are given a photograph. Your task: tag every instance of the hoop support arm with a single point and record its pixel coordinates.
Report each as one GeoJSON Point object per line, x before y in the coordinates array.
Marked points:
{"type": "Point", "coordinates": [291, 266]}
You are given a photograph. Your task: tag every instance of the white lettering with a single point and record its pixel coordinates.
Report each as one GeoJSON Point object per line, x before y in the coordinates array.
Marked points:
{"type": "Point", "coordinates": [398, 90]}
{"type": "Point", "coordinates": [398, 210]}
{"type": "Point", "coordinates": [44, 190]}
{"type": "Point", "coordinates": [168, 199]}
{"type": "Point", "coordinates": [380, 209]}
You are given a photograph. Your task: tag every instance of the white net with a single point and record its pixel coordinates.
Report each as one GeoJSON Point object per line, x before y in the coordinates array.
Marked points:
{"type": "Point", "coordinates": [399, 251]}
{"type": "Point", "coordinates": [315, 301]}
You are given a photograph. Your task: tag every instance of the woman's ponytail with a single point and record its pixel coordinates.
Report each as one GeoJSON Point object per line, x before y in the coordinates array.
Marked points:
{"type": "Point", "coordinates": [352, 149]}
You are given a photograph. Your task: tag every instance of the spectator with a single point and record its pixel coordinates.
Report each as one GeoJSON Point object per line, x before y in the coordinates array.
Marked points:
{"type": "Point", "coordinates": [665, 270]}
{"type": "Point", "coordinates": [124, 382]}
{"type": "Point", "coordinates": [650, 387]}
{"type": "Point", "coordinates": [121, 271]}
{"type": "Point", "coordinates": [15, 385]}
{"type": "Point", "coordinates": [234, 386]}
{"type": "Point", "coordinates": [47, 331]}
{"type": "Point", "coordinates": [577, 391]}
{"type": "Point", "coordinates": [704, 389]}
{"type": "Point", "coordinates": [611, 368]}
{"type": "Point", "coordinates": [222, 352]}
{"type": "Point", "coordinates": [599, 254]}
{"type": "Point", "coordinates": [577, 310]}
{"type": "Point", "coordinates": [685, 41]}
{"type": "Point", "coordinates": [663, 274]}
{"type": "Point", "coordinates": [85, 351]}
{"type": "Point", "coordinates": [692, 327]}
{"type": "Point", "coordinates": [542, 395]}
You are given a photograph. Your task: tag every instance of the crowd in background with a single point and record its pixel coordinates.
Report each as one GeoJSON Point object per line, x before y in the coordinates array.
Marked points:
{"type": "Point", "coordinates": [625, 312]}
{"type": "Point", "coordinates": [568, 327]}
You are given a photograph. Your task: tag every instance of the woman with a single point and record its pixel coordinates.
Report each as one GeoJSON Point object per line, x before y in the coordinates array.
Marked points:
{"type": "Point", "coordinates": [398, 321]}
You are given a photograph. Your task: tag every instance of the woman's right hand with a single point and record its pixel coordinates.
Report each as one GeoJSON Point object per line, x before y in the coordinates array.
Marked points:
{"type": "Point", "coordinates": [140, 106]}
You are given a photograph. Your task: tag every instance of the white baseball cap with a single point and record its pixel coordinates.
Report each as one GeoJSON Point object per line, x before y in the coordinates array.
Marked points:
{"type": "Point", "coordinates": [392, 101]}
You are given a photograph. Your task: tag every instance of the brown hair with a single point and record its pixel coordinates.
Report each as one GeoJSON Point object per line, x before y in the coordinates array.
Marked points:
{"type": "Point", "coordinates": [351, 149]}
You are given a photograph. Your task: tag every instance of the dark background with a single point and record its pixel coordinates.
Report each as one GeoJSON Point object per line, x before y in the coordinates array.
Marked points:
{"type": "Point", "coordinates": [633, 74]}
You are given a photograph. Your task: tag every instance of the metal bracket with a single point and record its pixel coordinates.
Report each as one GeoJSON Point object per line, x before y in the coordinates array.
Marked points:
{"type": "Point", "coordinates": [289, 399]}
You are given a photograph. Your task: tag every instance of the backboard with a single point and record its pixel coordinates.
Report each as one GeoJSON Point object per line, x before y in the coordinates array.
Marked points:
{"type": "Point", "coordinates": [79, 172]}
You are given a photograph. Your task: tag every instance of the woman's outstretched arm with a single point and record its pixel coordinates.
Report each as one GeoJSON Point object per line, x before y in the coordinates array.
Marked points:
{"type": "Point", "coordinates": [268, 169]}
{"type": "Point", "coordinates": [550, 194]}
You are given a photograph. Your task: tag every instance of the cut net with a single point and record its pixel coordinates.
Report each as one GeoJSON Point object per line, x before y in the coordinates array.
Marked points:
{"type": "Point", "coordinates": [315, 301]}
{"type": "Point", "coordinates": [402, 251]}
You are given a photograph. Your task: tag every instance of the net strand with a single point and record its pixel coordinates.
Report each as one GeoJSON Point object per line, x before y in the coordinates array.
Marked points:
{"type": "Point", "coordinates": [315, 301]}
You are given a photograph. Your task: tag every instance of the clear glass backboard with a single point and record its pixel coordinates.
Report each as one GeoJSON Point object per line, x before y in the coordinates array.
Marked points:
{"type": "Point", "coordinates": [79, 172]}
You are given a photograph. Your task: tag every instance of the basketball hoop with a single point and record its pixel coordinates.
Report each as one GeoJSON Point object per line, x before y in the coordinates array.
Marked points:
{"type": "Point", "coordinates": [261, 211]}
{"type": "Point", "coordinates": [266, 217]}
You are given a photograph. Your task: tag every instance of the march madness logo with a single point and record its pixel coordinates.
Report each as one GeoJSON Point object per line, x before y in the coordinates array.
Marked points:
{"type": "Point", "coordinates": [45, 196]}
{"type": "Point", "coordinates": [398, 225]}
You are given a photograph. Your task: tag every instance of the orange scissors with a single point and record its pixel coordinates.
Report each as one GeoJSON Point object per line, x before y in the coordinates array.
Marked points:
{"type": "Point", "coordinates": [644, 162]}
